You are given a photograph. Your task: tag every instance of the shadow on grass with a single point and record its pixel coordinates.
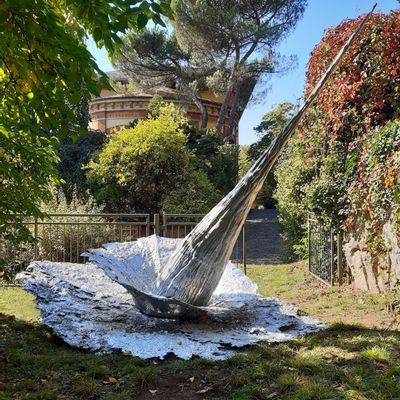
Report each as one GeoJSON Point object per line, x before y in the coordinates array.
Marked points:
{"type": "Point", "coordinates": [344, 362]}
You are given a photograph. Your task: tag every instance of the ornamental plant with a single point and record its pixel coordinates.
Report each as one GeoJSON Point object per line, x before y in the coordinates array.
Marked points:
{"type": "Point", "coordinates": [139, 166]}
{"type": "Point", "coordinates": [362, 95]}
{"type": "Point", "coordinates": [374, 194]}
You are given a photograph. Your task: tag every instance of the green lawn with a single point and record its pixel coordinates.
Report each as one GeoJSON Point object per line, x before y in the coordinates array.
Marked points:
{"type": "Point", "coordinates": [346, 362]}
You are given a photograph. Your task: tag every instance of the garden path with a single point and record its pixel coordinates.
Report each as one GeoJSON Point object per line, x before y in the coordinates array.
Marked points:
{"type": "Point", "coordinates": [264, 243]}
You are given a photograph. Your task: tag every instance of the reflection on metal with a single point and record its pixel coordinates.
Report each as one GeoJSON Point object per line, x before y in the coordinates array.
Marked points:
{"type": "Point", "coordinates": [90, 306]}
{"type": "Point", "coordinates": [194, 270]}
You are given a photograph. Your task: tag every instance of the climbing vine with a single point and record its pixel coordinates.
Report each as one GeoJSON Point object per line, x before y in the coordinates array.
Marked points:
{"type": "Point", "coordinates": [337, 134]}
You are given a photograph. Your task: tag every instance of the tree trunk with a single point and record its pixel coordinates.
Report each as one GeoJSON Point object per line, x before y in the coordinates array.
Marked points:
{"type": "Point", "coordinates": [222, 112]}
{"type": "Point", "coordinates": [232, 114]}
{"type": "Point", "coordinates": [203, 109]}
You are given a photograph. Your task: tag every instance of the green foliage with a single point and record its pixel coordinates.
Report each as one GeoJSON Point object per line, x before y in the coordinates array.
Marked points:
{"type": "Point", "coordinates": [45, 70]}
{"type": "Point", "coordinates": [74, 155]}
{"type": "Point", "coordinates": [244, 160]}
{"type": "Point", "coordinates": [217, 159]}
{"type": "Point", "coordinates": [273, 122]}
{"type": "Point", "coordinates": [328, 173]}
{"type": "Point", "coordinates": [223, 168]}
{"type": "Point", "coordinates": [292, 176]}
{"type": "Point", "coordinates": [154, 106]}
{"type": "Point", "coordinates": [75, 204]}
{"type": "Point", "coordinates": [374, 194]}
{"type": "Point", "coordinates": [195, 195]}
{"type": "Point", "coordinates": [271, 125]}
{"type": "Point", "coordinates": [138, 166]}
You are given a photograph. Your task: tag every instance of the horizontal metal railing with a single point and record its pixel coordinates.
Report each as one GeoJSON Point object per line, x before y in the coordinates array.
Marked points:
{"type": "Point", "coordinates": [64, 237]}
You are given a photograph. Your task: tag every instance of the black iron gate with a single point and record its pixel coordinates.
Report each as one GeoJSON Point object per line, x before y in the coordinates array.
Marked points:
{"type": "Point", "coordinates": [325, 253]}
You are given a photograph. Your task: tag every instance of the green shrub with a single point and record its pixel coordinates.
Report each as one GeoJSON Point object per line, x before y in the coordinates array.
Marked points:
{"type": "Point", "coordinates": [139, 166]}
{"type": "Point", "coordinates": [195, 195]}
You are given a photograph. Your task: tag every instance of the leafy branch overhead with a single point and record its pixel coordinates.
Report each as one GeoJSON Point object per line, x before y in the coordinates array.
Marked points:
{"type": "Point", "coordinates": [45, 70]}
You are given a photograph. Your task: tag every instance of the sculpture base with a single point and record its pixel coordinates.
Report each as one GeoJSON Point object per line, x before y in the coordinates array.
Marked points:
{"type": "Point", "coordinates": [87, 309]}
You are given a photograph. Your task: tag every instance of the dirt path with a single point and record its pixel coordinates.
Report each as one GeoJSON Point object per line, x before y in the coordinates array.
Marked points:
{"type": "Point", "coordinates": [264, 244]}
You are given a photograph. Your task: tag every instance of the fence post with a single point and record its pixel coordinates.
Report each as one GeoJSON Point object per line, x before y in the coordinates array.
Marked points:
{"type": "Point", "coordinates": [148, 225]}
{"type": "Point", "coordinates": [156, 224]}
{"type": "Point", "coordinates": [332, 257]}
{"type": "Point", "coordinates": [164, 224]}
{"type": "Point", "coordinates": [244, 253]}
{"type": "Point", "coordinates": [36, 239]}
{"type": "Point", "coordinates": [340, 256]}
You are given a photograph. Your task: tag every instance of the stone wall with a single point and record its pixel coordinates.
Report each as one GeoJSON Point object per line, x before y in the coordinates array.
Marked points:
{"type": "Point", "coordinates": [376, 274]}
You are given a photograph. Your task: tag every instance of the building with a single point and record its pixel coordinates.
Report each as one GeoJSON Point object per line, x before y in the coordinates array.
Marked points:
{"type": "Point", "coordinates": [113, 111]}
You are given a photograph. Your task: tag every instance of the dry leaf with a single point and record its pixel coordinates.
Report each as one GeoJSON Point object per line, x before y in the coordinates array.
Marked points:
{"type": "Point", "coordinates": [205, 390]}
{"type": "Point", "coordinates": [191, 379]}
{"type": "Point", "coordinates": [112, 380]}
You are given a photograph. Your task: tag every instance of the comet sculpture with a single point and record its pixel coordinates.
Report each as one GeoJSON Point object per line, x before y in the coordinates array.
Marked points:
{"type": "Point", "coordinates": [192, 273]}
{"type": "Point", "coordinates": [109, 304]}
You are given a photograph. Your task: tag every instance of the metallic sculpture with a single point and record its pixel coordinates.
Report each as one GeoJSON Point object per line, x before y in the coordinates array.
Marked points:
{"type": "Point", "coordinates": [87, 309]}
{"type": "Point", "coordinates": [108, 305]}
{"type": "Point", "coordinates": [191, 274]}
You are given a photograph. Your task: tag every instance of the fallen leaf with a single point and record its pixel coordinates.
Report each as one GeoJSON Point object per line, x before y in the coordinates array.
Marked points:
{"type": "Point", "coordinates": [112, 380]}
{"type": "Point", "coordinates": [191, 379]}
{"type": "Point", "coordinates": [205, 390]}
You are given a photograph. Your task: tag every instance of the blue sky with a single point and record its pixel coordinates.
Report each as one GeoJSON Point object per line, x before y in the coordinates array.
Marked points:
{"type": "Point", "coordinates": [319, 15]}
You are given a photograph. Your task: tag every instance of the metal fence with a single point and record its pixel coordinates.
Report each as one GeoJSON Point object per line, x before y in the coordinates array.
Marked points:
{"type": "Point", "coordinates": [64, 237]}
{"type": "Point", "coordinates": [325, 253]}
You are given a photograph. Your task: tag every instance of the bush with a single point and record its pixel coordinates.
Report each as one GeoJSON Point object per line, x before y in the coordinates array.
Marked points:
{"type": "Point", "coordinates": [211, 155]}
{"type": "Point", "coordinates": [74, 155]}
{"type": "Point", "coordinates": [55, 243]}
{"type": "Point", "coordinates": [139, 166]}
{"type": "Point", "coordinates": [325, 161]}
{"type": "Point", "coordinates": [195, 195]}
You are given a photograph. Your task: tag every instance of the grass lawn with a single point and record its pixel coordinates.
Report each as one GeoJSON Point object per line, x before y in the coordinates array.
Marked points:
{"type": "Point", "coordinates": [358, 358]}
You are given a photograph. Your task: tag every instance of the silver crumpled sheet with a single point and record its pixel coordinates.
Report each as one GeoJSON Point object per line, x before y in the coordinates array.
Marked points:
{"type": "Point", "coordinates": [89, 310]}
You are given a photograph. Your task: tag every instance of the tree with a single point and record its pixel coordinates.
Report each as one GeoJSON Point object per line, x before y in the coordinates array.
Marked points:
{"type": "Point", "coordinates": [272, 123]}
{"type": "Point", "coordinates": [152, 58]}
{"type": "Point", "coordinates": [213, 156]}
{"type": "Point", "coordinates": [224, 45]}
{"type": "Point", "coordinates": [195, 195]}
{"type": "Point", "coordinates": [74, 155]}
{"type": "Point", "coordinates": [45, 70]}
{"type": "Point", "coordinates": [139, 166]}
{"type": "Point", "coordinates": [239, 37]}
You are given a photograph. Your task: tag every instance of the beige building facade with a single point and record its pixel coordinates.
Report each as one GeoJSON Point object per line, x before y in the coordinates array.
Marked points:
{"type": "Point", "coordinates": [112, 111]}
